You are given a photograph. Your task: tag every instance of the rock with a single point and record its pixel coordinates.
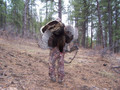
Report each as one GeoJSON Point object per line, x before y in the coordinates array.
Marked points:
{"type": "Point", "coordinates": [5, 65]}
{"type": "Point", "coordinates": [29, 55]}
{"type": "Point", "coordinates": [12, 82]}
{"type": "Point", "coordinates": [29, 64]}
{"type": "Point", "coordinates": [5, 74]}
{"type": "Point", "coordinates": [104, 64]}
{"type": "Point", "coordinates": [84, 88]}
{"type": "Point", "coordinates": [83, 78]}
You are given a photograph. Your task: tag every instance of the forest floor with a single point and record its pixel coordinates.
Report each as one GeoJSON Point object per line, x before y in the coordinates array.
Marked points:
{"type": "Point", "coordinates": [24, 66]}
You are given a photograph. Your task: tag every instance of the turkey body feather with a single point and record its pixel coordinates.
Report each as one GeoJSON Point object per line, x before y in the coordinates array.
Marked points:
{"type": "Point", "coordinates": [56, 34]}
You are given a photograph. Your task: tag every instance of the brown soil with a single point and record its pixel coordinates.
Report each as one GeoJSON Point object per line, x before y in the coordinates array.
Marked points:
{"type": "Point", "coordinates": [24, 66]}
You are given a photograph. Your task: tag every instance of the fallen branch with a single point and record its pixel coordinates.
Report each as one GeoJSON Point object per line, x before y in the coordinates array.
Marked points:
{"type": "Point", "coordinates": [115, 67]}
{"type": "Point", "coordinates": [103, 52]}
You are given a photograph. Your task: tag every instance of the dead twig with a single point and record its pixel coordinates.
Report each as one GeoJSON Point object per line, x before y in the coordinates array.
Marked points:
{"type": "Point", "coordinates": [116, 69]}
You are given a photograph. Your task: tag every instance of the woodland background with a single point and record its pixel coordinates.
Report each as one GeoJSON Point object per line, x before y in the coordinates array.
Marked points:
{"type": "Point", "coordinates": [25, 66]}
{"type": "Point", "coordinates": [98, 21]}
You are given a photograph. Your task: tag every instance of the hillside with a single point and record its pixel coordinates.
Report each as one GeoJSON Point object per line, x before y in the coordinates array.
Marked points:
{"type": "Point", "coordinates": [24, 66]}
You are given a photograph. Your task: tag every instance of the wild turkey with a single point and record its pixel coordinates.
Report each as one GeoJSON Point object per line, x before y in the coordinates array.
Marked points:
{"type": "Point", "coordinates": [56, 34]}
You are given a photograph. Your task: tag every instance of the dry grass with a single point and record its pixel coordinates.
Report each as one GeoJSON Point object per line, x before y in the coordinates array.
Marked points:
{"type": "Point", "coordinates": [107, 74]}
{"type": "Point", "coordinates": [27, 68]}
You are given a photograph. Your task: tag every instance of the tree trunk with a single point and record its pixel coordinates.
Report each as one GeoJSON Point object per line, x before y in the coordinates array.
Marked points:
{"type": "Point", "coordinates": [32, 29]}
{"type": "Point", "coordinates": [51, 11]}
{"type": "Point", "coordinates": [1, 20]}
{"type": "Point", "coordinates": [100, 34]}
{"type": "Point", "coordinates": [1, 14]}
{"type": "Point", "coordinates": [28, 19]}
{"type": "Point", "coordinates": [5, 16]}
{"type": "Point", "coordinates": [25, 18]}
{"type": "Point", "coordinates": [76, 21]}
{"type": "Point", "coordinates": [110, 24]}
{"type": "Point", "coordinates": [83, 35]}
{"type": "Point", "coordinates": [60, 9]}
{"type": "Point", "coordinates": [116, 48]}
{"type": "Point", "coordinates": [91, 31]}
{"type": "Point", "coordinates": [87, 37]}
{"type": "Point", "coordinates": [106, 36]}
{"type": "Point", "coordinates": [46, 12]}
{"type": "Point", "coordinates": [84, 26]}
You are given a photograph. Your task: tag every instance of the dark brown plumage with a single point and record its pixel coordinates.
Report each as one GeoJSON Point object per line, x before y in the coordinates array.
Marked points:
{"type": "Point", "coordinates": [57, 39]}
{"type": "Point", "coordinates": [56, 34]}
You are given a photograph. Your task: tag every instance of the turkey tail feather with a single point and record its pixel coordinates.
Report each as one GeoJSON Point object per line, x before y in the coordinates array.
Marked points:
{"type": "Point", "coordinates": [71, 34]}
{"type": "Point", "coordinates": [43, 42]}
